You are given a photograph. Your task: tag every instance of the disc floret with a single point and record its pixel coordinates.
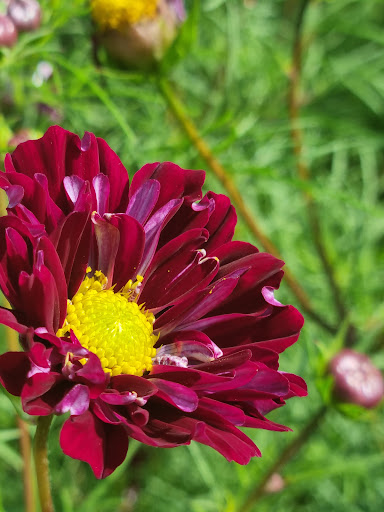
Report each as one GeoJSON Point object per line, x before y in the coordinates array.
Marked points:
{"type": "Point", "coordinates": [112, 325]}
{"type": "Point", "coordinates": [117, 14]}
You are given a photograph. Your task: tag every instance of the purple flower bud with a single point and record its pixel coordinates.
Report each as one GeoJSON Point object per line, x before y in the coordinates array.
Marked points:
{"type": "Point", "coordinates": [274, 484]}
{"type": "Point", "coordinates": [357, 380]}
{"type": "Point", "coordinates": [17, 138]}
{"type": "Point", "coordinates": [26, 14]}
{"type": "Point", "coordinates": [8, 31]}
{"type": "Point", "coordinates": [42, 73]}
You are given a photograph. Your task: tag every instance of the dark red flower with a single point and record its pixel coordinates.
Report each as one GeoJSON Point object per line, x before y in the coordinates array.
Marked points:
{"type": "Point", "coordinates": [137, 313]}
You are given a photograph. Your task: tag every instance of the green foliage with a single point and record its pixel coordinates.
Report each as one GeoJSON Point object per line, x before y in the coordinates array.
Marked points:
{"type": "Point", "coordinates": [231, 68]}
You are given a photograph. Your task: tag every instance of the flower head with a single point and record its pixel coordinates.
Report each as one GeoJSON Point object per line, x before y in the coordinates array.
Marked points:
{"type": "Point", "coordinates": [117, 14]}
{"type": "Point", "coordinates": [138, 314]}
{"type": "Point", "coordinates": [137, 33]}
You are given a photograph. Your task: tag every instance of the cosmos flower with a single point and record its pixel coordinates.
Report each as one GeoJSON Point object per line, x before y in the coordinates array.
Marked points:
{"type": "Point", "coordinates": [138, 314]}
{"type": "Point", "coordinates": [137, 33]}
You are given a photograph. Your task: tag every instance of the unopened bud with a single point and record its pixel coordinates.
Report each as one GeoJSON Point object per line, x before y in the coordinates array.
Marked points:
{"type": "Point", "coordinates": [356, 379]}
{"type": "Point", "coordinates": [274, 484]}
{"type": "Point", "coordinates": [25, 14]}
{"type": "Point", "coordinates": [17, 138]}
{"type": "Point", "coordinates": [8, 31]}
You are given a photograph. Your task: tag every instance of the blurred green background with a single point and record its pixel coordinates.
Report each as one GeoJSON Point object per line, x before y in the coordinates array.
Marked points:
{"type": "Point", "coordinates": [236, 73]}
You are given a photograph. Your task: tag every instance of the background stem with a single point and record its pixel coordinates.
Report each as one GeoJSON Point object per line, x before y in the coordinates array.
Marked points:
{"type": "Point", "coordinates": [303, 170]}
{"type": "Point", "coordinates": [234, 193]}
{"type": "Point", "coordinates": [289, 451]}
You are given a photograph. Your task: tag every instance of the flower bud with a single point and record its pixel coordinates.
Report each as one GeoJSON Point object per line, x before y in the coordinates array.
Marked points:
{"type": "Point", "coordinates": [8, 31]}
{"type": "Point", "coordinates": [25, 14]}
{"type": "Point", "coordinates": [42, 73]}
{"type": "Point", "coordinates": [356, 379]}
{"type": "Point", "coordinates": [20, 136]}
{"type": "Point", "coordinates": [137, 33]}
{"type": "Point", "coordinates": [274, 484]}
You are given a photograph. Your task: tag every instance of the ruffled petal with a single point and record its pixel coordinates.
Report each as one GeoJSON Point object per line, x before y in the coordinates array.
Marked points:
{"type": "Point", "coordinates": [103, 446]}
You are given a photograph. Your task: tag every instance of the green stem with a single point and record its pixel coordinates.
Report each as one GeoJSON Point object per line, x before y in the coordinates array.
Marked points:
{"type": "Point", "coordinates": [302, 167]}
{"type": "Point", "coordinates": [224, 177]}
{"type": "Point", "coordinates": [41, 463]}
{"type": "Point", "coordinates": [290, 451]}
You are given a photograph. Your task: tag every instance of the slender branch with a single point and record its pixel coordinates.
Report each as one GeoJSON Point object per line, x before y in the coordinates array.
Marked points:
{"type": "Point", "coordinates": [287, 454]}
{"type": "Point", "coordinates": [230, 186]}
{"type": "Point", "coordinates": [26, 452]}
{"type": "Point", "coordinates": [41, 463]}
{"type": "Point", "coordinates": [302, 168]}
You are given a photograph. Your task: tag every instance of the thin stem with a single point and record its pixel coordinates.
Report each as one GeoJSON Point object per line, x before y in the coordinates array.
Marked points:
{"type": "Point", "coordinates": [223, 176]}
{"type": "Point", "coordinates": [26, 452]}
{"type": "Point", "coordinates": [41, 463]}
{"type": "Point", "coordinates": [302, 168]}
{"type": "Point", "coordinates": [290, 451]}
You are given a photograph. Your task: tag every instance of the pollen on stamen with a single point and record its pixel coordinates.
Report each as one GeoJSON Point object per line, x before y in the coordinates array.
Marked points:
{"type": "Point", "coordinates": [112, 325]}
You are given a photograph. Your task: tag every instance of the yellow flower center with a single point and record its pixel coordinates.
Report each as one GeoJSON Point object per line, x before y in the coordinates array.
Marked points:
{"type": "Point", "coordinates": [112, 325]}
{"type": "Point", "coordinates": [118, 13]}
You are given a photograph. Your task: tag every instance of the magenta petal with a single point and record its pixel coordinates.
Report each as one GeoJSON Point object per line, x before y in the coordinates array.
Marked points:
{"type": "Point", "coordinates": [72, 245]}
{"type": "Point", "coordinates": [176, 394]}
{"type": "Point", "coordinates": [114, 398]}
{"type": "Point", "coordinates": [108, 238]}
{"type": "Point", "coordinates": [222, 222]}
{"type": "Point", "coordinates": [194, 379]}
{"type": "Point", "coordinates": [264, 423]}
{"type": "Point", "coordinates": [101, 188]}
{"type": "Point", "coordinates": [175, 182]}
{"type": "Point", "coordinates": [233, 444]}
{"type": "Point", "coordinates": [57, 154]}
{"type": "Point", "coordinates": [143, 201]}
{"type": "Point", "coordinates": [185, 345]}
{"type": "Point", "coordinates": [297, 385]}
{"type": "Point", "coordinates": [15, 195]}
{"type": "Point", "coordinates": [73, 186]}
{"type": "Point", "coordinates": [105, 413]}
{"type": "Point", "coordinates": [92, 375]}
{"type": "Point", "coordinates": [233, 251]}
{"type": "Point", "coordinates": [142, 387]}
{"type": "Point", "coordinates": [53, 214]}
{"type": "Point", "coordinates": [103, 446]}
{"type": "Point", "coordinates": [263, 355]}
{"type": "Point", "coordinates": [14, 367]}
{"type": "Point", "coordinates": [76, 401]}
{"type": "Point", "coordinates": [153, 230]}
{"type": "Point", "coordinates": [32, 397]}
{"type": "Point", "coordinates": [178, 269]}
{"type": "Point", "coordinates": [39, 297]}
{"type": "Point", "coordinates": [9, 319]}
{"type": "Point", "coordinates": [53, 264]}
{"type": "Point", "coordinates": [130, 250]}
{"type": "Point", "coordinates": [231, 413]}
{"type": "Point", "coordinates": [195, 306]}
{"type": "Point", "coordinates": [111, 166]}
